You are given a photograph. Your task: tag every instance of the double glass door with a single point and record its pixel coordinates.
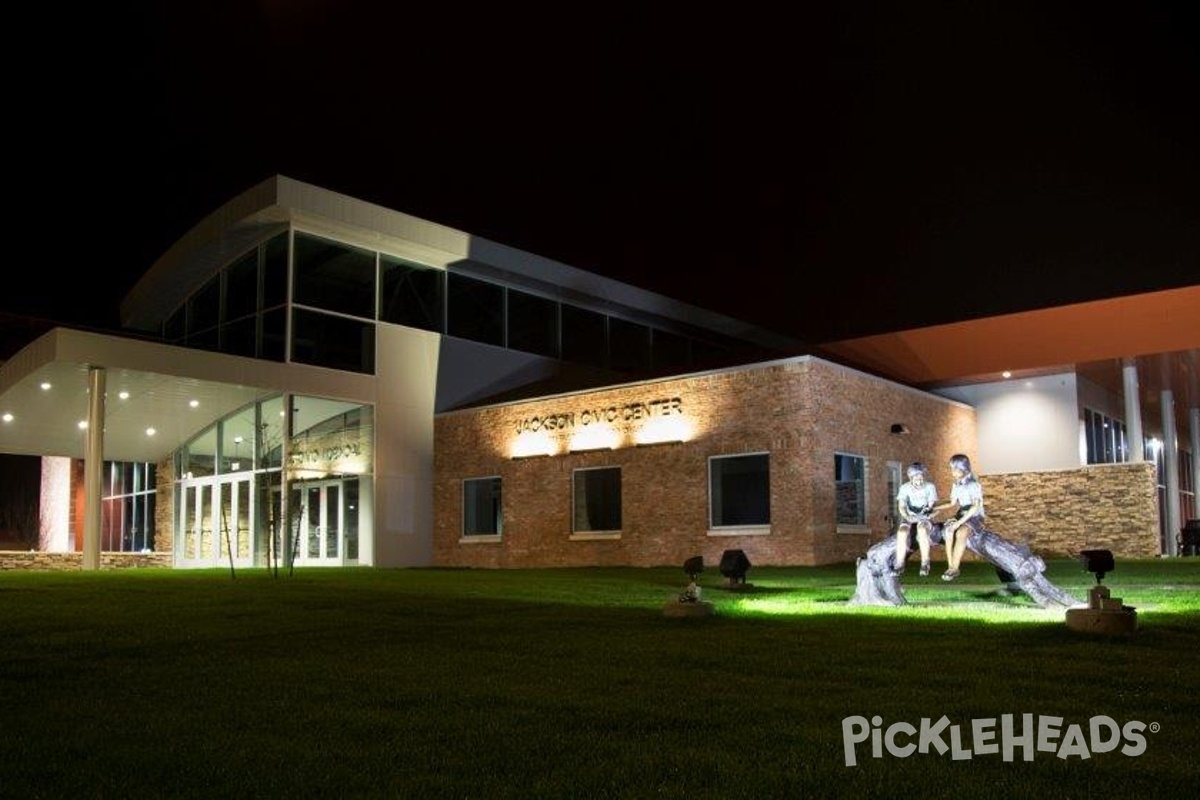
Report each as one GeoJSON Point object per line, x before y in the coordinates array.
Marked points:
{"type": "Point", "coordinates": [214, 522]}
{"type": "Point", "coordinates": [326, 529]}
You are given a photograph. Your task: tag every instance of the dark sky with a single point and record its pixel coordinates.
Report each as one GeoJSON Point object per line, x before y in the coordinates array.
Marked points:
{"type": "Point", "coordinates": [826, 169]}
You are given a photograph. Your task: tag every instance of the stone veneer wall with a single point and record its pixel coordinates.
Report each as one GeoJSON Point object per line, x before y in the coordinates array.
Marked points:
{"type": "Point", "coordinates": [1104, 506]}
{"type": "Point", "coordinates": [164, 506]}
{"type": "Point", "coordinates": [799, 411]}
{"type": "Point", "coordinates": [63, 562]}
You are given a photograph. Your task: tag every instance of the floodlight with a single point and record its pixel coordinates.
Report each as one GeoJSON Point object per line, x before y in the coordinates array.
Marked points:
{"type": "Point", "coordinates": [734, 565]}
{"type": "Point", "coordinates": [694, 566]}
{"type": "Point", "coordinates": [1098, 562]}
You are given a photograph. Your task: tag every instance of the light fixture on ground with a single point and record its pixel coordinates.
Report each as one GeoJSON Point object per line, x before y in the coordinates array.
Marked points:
{"type": "Point", "coordinates": [1104, 613]}
{"type": "Point", "coordinates": [688, 603]}
{"type": "Point", "coordinates": [734, 566]}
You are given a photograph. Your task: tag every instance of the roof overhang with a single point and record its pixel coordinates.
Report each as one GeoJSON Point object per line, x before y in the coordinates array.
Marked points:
{"type": "Point", "coordinates": [176, 391]}
{"type": "Point", "coordinates": [1144, 328]}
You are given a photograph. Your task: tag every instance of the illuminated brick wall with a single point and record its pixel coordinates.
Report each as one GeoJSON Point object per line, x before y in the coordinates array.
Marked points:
{"type": "Point", "coordinates": [799, 411]}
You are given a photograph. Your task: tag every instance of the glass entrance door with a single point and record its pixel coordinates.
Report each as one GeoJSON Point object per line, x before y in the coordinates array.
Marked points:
{"type": "Point", "coordinates": [214, 520]}
{"type": "Point", "coordinates": [319, 528]}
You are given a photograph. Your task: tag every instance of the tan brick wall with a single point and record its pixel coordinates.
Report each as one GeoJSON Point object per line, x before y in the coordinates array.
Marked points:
{"type": "Point", "coordinates": [799, 411]}
{"type": "Point", "coordinates": [1105, 506]}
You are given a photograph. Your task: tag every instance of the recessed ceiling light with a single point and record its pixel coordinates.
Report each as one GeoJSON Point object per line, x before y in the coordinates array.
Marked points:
{"type": "Point", "coordinates": [82, 424]}
{"type": "Point", "coordinates": [7, 417]}
{"type": "Point", "coordinates": [194, 403]}
{"type": "Point", "coordinates": [45, 386]}
{"type": "Point", "coordinates": [123, 395]}
{"type": "Point", "coordinates": [1006, 374]}
{"type": "Point", "coordinates": [150, 431]}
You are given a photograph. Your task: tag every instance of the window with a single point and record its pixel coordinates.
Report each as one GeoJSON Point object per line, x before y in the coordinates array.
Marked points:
{"type": "Point", "coordinates": [1106, 443]}
{"type": "Point", "coordinates": [850, 489]}
{"type": "Point", "coordinates": [333, 276]}
{"type": "Point", "coordinates": [532, 324]}
{"type": "Point", "coordinates": [583, 336]}
{"type": "Point", "coordinates": [481, 507]}
{"type": "Point", "coordinates": [204, 310]}
{"type": "Point", "coordinates": [628, 345]}
{"type": "Point", "coordinates": [275, 269]}
{"type": "Point", "coordinates": [475, 310]}
{"type": "Point", "coordinates": [1187, 486]}
{"type": "Point", "coordinates": [739, 490]}
{"type": "Point", "coordinates": [597, 500]}
{"type": "Point", "coordinates": [128, 496]}
{"type": "Point", "coordinates": [241, 287]}
{"type": "Point", "coordinates": [336, 342]}
{"type": "Point", "coordinates": [412, 295]}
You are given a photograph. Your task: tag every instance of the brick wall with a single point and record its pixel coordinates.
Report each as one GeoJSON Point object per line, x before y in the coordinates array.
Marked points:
{"type": "Point", "coordinates": [800, 412]}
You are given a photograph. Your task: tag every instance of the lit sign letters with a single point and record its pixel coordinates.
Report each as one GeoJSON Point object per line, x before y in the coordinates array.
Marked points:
{"type": "Point", "coordinates": [631, 412]}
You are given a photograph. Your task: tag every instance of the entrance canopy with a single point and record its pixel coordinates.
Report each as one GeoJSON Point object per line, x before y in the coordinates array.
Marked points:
{"type": "Point", "coordinates": [157, 396]}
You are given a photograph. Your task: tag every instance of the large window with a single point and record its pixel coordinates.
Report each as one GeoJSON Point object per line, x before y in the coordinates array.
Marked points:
{"type": "Point", "coordinates": [532, 323]}
{"type": "Point", "coordinates": [1187, 486]}
{"type": "Point", "coordinates": [325, 340]}
{"type": "Point", "coordinates": [475, 310]}
{"type": "Point", "coordinates": [1106, 443]}
{"type": "Point", "coordinates": [584, 334]}
{"type": "Point", "coordinates": [241, 287]}
{"type": "Point", "coordinates": [481, 507]}
{"type": "Point", "coordinates": [628, 345]}
{"type": "Point", "coordinates": [850, 489]}
{"type": "Point", "coordinates": [411, 295]}
{"type": "Point", "coordinates": [739, 490]}
{"type": "Point", "coordinates": [597, 500]}
{"type": "Point", "coordinates": [203, 315]}
{"type": "Point", "coordinates": [333, 276]}
{"type": "Point", "coordinates": [127, 507]}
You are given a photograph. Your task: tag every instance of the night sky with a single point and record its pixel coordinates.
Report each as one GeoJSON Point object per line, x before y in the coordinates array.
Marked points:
{"type": "Point", "coordinates": [825, 170]}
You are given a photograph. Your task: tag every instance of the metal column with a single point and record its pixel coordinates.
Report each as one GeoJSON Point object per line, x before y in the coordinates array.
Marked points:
{"type": "Point", "coordinates": [93, 468]}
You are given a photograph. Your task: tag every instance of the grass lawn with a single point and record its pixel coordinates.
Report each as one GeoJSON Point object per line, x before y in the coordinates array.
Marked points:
{"type": "Point", "coordinates": [574, 684]}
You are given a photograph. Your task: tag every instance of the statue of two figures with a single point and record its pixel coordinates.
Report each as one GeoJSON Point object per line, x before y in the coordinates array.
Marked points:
{"type": "Point", "coordinates": [878, 575]}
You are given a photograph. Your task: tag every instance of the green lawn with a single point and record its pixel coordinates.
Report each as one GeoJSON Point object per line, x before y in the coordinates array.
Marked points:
{"type": "Point", "coordinates": [574, 684]}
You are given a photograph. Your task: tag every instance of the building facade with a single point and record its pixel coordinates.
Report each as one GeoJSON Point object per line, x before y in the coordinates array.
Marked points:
{"type": "Point", "coordinates": [306, 378]}
{"type": "Point", "coordinates": [794, 462]}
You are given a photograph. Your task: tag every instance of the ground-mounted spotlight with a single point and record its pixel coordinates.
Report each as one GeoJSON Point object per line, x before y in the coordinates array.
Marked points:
{"type": "Point", "coordinates": [734, 566]}
{"type": "Point", "coordinates": [688, 603]}
{"type": "Point", "coordinates": [1104, 613]}
{"type": "Point", "coordinates": [1189, 538]}
{"type": "Point", "coordinates": [1098, 562]}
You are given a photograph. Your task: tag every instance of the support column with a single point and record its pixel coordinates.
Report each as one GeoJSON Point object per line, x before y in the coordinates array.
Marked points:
{"type": "Point", "coordinates": [1171, 467]}
{"type": "Point", "coordinates": [93, 468]}
{"type": "Point", "coordinates": [1133, 411]}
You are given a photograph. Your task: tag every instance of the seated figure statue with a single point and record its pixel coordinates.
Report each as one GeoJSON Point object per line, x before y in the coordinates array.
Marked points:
{"type": "Point", "coordinates": [878, 575]}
